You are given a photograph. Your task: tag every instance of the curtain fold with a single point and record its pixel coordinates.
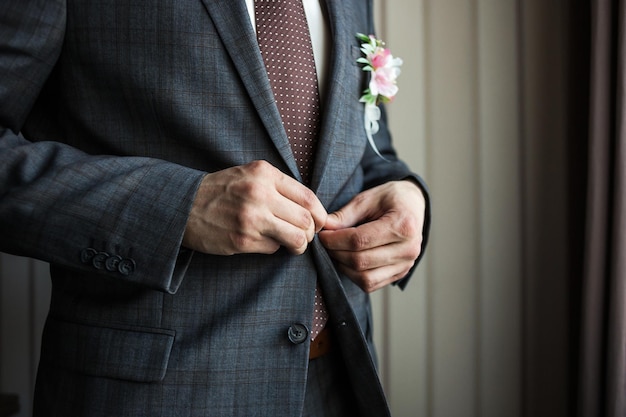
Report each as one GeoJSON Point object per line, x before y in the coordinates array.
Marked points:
{"type": "Point", "coordinates": [602, 370]}
{"type": "Point", "coordinates": [617, 273]}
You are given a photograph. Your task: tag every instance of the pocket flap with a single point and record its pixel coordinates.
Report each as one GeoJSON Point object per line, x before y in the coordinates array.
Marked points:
{"type": "Point", "coordinates": [126, 352]}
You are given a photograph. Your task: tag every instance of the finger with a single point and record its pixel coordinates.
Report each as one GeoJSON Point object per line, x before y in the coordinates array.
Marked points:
{"type": "Point", "coordinates": [361, 261]}
{"type": "Point", "coordinates": [304, 197]}
{"type": "Point", "coordinates": [256, 230]}
{"type": "Point", "coordinates": [268, 237]}
{"type": "Point", "coordinates": [354, 239]}
{"type": "Point", "coordinates": [294, 239]}
{"type": "Point", "coordinates": [396, 253]}
{"type": "Point", "coordinates": [294, 214]}
{"type": "Point", "coordinates": [377, 278]}
{"type": "Point", "coordinates": [358, 210]}
{"type": "Point", "coordinates": [261, 229]}
{"type": "Point", "coordinates": [290, 189]}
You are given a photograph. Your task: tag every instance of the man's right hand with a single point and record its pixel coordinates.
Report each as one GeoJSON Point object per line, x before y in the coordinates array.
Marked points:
{"type": "Point", "coordinates": [253, 208]}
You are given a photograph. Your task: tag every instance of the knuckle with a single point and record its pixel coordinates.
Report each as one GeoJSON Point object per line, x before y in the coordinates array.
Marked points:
{"type": "Point", "coordinates": [359, 241]}
{"type": "Point", "coordinates": [407, 228]}
{"type": "Point", "coordinates": [308, 197]}
{"type": "Point", "coordinates": [299, 250]}
{"type": "Point", "coordinates": [240, 242]}
{"type": "Point", "coordinates": [300, 240]}
{"type": "Point", "coordinates": [362, 279]}
{"type": "Point", "coordinates": [306, 221]}
{"type": "Point", "coordinates": [360, 199]}
{"type": "Point", "coordinates": [258, 166]}
{"type": "Point", "coordinates": [414, 251]}
{"type": "Point", "coordinates": [359, 262]}
{"type": "Point", "coordinates": [246, 216]}
{"type": "Point", "coordinates": [264, 169]}
{"type": "Point", "coordinates": [368, 285]}
{"type": "Point", "coordinates": [298, 244]}
{"type": "Point", "coordinates": [341, 216]}
{"type": "Point", "coordinates": [251, 190]}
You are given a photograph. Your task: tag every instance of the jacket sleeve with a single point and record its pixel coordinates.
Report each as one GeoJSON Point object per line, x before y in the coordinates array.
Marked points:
{"type": "Point", "coordinates": [119, 216]}
{"type": "Point", "coordinates": [379, 170]}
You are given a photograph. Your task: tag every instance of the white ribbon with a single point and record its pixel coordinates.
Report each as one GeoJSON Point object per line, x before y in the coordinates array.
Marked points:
{"type": "Point", "coordinates": [371, 118]}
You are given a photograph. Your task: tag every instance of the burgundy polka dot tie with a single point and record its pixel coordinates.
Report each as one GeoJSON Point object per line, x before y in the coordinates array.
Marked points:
{"type": "Point", "coordinates": [285, 43]}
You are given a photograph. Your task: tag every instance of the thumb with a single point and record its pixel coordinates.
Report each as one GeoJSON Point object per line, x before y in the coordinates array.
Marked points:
{"type": "Point", "coordinates": [334, 221]}
{"type": "Point", "coordinates": [350, 215]}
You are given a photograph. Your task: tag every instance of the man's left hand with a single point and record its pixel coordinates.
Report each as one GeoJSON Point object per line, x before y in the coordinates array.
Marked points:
{"type": "Point", "coordinates": [376, 238]}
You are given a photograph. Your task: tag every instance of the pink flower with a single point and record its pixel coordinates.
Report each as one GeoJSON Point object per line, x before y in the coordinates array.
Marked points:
{"type": "Point", "coordinates": [380, 58]}
{"type": "Point", "coordinates": [383, 82]}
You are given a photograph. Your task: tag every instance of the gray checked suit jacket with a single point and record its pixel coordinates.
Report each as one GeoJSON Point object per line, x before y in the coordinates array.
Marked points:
{"type": "Point", "coordinates": [111, 112]}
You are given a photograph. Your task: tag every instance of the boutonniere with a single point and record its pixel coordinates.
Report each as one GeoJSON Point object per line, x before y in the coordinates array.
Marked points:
{"type": "Point", "coordinates": [382, 87]}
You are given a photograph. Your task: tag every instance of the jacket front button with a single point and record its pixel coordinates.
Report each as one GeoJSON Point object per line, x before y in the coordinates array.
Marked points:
{"type": "Point", "coordinates": [297, 333]}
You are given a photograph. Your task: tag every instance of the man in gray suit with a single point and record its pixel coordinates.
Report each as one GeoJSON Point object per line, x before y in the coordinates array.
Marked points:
{"type": "Point", "coordinates": [143, 154]}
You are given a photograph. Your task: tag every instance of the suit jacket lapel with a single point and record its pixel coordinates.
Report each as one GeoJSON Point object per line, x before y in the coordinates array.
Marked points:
{"type": "Point", "coordinates": [337, 135]}
{"type": "Point", "coordinates": [232, 22]}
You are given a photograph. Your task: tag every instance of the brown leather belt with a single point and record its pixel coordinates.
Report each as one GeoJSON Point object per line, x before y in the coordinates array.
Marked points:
{"type": "Point", "coordinates": [321, 345]}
